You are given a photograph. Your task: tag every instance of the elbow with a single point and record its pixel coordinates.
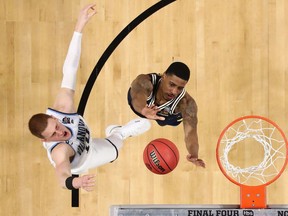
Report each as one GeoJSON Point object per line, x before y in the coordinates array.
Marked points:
{"type": "Point", "coordinates": [61, 183]}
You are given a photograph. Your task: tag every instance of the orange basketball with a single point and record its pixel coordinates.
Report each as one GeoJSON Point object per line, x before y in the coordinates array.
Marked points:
{"type": "Point", "coordinates": [161, 156]}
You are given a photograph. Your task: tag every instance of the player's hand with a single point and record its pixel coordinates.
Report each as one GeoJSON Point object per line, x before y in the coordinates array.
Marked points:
{"type": "Point", "coordinates": [196, 161]}
{"type": "Point", "coordinates": [150, 112]}
{"type": "Point", "coordinates": [87, 182]}
{"type": "Point", "coordinates": [84, 16]}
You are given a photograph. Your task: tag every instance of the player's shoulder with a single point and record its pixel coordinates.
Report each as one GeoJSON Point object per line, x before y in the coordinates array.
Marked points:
{"type": "Point", "coordinates": [144, 77]}
{"type": "Point", "coordinates": [61, 150]}
{"type": "Point", "coordinates": [142, 81]}
{"type": "Point", "coordinates": [188, 98]}
{"type": "Point", "coordinates": [187, 102]}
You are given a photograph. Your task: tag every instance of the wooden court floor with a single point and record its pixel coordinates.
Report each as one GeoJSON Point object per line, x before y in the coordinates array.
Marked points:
{"type": "Point", "coordinates": [237, 53]}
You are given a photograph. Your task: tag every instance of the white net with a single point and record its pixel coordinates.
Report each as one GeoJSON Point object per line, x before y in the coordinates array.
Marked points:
{"type": "Point", "coordinates": [252, 151]}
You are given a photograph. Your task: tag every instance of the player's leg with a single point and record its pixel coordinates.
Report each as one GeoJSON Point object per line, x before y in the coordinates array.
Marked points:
{"type": "Point", "coordinates": [103, 151]}
{"type": "Point", "coordinates": [133, 128]}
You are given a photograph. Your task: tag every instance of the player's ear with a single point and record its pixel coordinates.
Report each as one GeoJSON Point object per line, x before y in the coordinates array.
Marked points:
{"type": "Point", "coordinates": [164, 75]}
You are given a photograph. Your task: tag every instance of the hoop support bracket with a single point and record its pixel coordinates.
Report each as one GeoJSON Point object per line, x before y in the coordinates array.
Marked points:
{"type": "Point", "coordinates": [253, 196]}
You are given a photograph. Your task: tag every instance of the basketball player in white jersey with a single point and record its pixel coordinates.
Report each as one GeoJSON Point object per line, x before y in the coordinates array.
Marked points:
{"type": "Point", "coordinates": [65, 134]}
{"type": "Point", "coordinates": [163, 98]}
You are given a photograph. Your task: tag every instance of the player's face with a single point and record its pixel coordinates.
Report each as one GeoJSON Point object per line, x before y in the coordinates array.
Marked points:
{"type": "Point", "coordinates": [172, 86]}
{"type": "Point", "coordinates": [55, 131]}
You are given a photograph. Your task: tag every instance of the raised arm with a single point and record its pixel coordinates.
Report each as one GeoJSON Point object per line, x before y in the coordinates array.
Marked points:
{"type": "Point", "coordinates": [62, 153]}
{"type": "Point", "coordinates": [141, 88]}
{"type": "Point", "coordinates": [65, 98]}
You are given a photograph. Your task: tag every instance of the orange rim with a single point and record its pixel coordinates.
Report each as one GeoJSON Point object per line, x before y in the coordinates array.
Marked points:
{"type": "Point", "coordinates": [240, 119]}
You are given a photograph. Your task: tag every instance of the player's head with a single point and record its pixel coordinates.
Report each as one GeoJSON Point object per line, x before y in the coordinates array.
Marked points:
{"type": "Point", "coordinates": [48, 128]}
{"type": "Point", "coordinates": [174, 80]}
{"type": "Point", "coordinates": [180, 70]}
{"type": "Point", "coordinates": [38, 123]}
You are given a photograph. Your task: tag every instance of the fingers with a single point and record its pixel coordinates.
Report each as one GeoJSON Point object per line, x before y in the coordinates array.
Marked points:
{"type": "Point", "coordinates": [88, 182]}
{"type": "Point", "coordinates": [89, 10]}
{"type": "Point", "coordinates": [200, 163]}
{"type": "Point", "coordinates": [89, 6]}
{"type": "Point", "coordinates": [85, 14]}
{"type": "Point", "coordinates": [151, 112]}
{"type": "Point", "coordinates": [196, 161]}
{"type": "Point", "coordinates": [153, 107]}
{"type": "Point", "coordinates": [160, 118]}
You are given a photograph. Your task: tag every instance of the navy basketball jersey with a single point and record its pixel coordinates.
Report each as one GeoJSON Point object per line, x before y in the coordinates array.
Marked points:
{"type": "Point", "coordinates": [167, 110]}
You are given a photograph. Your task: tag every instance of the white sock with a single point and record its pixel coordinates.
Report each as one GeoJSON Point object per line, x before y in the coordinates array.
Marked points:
{"type": "Point", "coordinates": [116, 139]}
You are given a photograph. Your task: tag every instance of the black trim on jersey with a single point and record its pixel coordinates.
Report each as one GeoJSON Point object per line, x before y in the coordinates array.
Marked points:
{"type": "Point", "coordinates": [115, 149]}
{"type": "Point", "coordinates": [172, 118]}
{"type": "Point", "coordinates": [55, 146]}
{"type": "Point", "coordinates": [62, 112]}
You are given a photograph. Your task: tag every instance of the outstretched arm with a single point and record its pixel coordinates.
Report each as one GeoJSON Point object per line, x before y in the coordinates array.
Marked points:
{"type": "Point", "coordinates": [61, 155]}
{"type": "Point", "coordinates": [65, 99]}
{"type": "Point", "coordinates": [141, 88]}
{"type": "Point", "coordinates": [189, 112]}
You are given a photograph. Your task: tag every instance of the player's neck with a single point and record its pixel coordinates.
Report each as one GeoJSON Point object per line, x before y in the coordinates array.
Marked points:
{"type": "Point", "coordinates": [159, 98]}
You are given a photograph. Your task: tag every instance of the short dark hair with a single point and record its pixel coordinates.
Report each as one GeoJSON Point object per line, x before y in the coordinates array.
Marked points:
{"type": "Point", "coordinates": [38, 123]}
{"type": "Point", "coordinates": [179, 69]}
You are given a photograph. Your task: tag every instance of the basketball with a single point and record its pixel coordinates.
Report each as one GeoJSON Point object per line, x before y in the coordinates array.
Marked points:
{"type": "Point", "coordinates": [161, 156]}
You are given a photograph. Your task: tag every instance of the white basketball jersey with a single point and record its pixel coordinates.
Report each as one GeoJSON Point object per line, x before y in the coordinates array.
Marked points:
{"type": "Point", "coordinates": [79, 141]}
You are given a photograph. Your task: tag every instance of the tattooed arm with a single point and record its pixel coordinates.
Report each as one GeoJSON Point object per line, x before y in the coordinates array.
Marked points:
{"type": "Point", "coordinates": [141, 88]}
{"type": "Point", "coordinates": [188, 108]}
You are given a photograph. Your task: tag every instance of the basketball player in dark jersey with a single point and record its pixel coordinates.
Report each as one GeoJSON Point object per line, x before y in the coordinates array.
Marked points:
{"type": "Point", "coordinates": [164, 99]}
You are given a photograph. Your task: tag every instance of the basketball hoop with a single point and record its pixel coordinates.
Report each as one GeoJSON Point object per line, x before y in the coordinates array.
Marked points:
{"type": "Point", "coordinates": [251, 152]}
